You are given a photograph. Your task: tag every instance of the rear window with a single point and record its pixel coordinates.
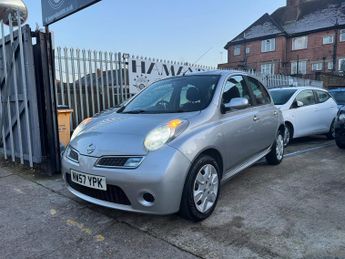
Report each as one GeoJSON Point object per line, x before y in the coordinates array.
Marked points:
{"type": "Point", "coordinates": [282, 96]}
{"type": "Point", "coordinates": [339, 97]}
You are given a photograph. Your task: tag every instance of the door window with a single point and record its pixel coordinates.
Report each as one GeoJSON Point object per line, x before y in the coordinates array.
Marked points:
{"type": "Point", "coordinates": [235, 87]}
{"type": "Point", "coordinates": [306, 97]}
{"type": "Point", "coordinates": [261, 95]}
{"type": "Point", "coordinates": [322, 96]}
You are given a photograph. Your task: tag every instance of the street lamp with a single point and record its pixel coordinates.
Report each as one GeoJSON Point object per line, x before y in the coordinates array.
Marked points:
{"type": "Point", "coordinates": [8, 7]}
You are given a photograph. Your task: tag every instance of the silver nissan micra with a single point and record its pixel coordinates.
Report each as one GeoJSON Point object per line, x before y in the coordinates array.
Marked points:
{"type": "Point", "coordinates": [170, 147]}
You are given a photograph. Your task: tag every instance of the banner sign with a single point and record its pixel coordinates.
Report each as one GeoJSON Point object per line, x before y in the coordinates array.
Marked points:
{"type": "Point", "coordinates": [143, 72]}
{"type": "Point", "coordinates": [54, 10]}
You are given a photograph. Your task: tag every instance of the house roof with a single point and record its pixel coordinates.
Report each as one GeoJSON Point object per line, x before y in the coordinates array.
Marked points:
{"type": "Point", "coordinates": [309, 16]}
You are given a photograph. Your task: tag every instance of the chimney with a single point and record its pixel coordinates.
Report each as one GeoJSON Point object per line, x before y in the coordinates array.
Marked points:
{"type": "Point", "coordinates": [293, 2]}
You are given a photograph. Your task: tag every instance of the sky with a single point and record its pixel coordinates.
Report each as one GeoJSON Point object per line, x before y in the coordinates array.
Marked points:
{"type": "Point", "coordinates": [194, 31]}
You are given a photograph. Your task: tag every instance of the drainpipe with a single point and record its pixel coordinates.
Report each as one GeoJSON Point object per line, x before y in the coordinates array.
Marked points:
{"type": "Point", "coordinates": [335, 47]}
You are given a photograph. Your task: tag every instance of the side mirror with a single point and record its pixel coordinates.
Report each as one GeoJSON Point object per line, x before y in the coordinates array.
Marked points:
{"type": "Point", "coordinates": [235, 104]}
{"type": "Point", "coordinates": [299, 104]}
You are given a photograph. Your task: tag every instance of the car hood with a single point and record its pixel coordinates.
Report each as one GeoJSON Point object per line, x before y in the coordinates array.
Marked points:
{"type": "Point", "coordinates": [120, 134]}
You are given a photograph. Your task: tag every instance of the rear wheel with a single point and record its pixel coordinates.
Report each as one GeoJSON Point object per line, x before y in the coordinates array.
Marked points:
{"type": "Point", "coordinates": [276, 155]}
{"type": "Point", "coordinates": [201, 190]}
{"type": "Point", "coordinates": [331, 134]}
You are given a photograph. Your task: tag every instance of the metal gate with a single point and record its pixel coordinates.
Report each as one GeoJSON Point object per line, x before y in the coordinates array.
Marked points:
{"type": "Point", "coordinates": [19, 121]}
{"type": "Point", "coordinates": [90, 81]}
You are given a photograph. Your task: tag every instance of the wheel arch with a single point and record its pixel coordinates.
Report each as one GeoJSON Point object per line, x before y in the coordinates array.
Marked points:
{"type": "Point", "coordinates": [289, 123]}
{"type": "Point", "coordinates": [214, 153]}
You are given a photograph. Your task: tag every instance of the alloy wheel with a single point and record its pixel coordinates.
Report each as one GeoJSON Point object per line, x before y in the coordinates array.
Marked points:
{"type": "Point", "coordinates": [280, 147]}
{"type": "Point", "coordinates": [205, 188]}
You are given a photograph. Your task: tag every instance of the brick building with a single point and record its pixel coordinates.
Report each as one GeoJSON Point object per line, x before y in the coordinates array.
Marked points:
{"type": "Point", "coordinates": [303, 37]}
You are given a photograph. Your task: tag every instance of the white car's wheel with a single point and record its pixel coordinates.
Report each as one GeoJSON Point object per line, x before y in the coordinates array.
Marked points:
{"type": "Point", "coordinates": [287, 135]}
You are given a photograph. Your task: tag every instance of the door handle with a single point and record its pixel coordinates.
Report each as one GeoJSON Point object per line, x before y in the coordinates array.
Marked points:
{"type": "Point", "coordinates": [275, 113]}
{"type": "Point", "coordinates": [255, 118]}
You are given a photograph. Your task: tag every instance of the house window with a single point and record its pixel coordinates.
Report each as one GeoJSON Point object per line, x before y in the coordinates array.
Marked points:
{"type": "Point", "coordinates": [317, 67]}
{"type": "Point", "coordinates": [247, 50]}
{"type": "Point", "coordinates": [267, 69]}
{"type": "Point", "coordinates": [330, 65]}
{"type": "Point", "coordinates": [301, 65]}
{"type": "Point", "coordinates": [342, 35]}
{"type": "Point", "coordinates": [268, 45]}
{"type": "Point", "coordinates": [237, 50]}
{"type": "Point", "coordinates": [342, 64]}
{"type": "Point", "coordinates": [300, 43]}
{"type": "Point", "coordinates": [329, 39]}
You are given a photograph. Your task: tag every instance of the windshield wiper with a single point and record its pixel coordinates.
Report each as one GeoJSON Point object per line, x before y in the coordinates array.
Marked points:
{"type": "Point", "coordinates": [135, 112]}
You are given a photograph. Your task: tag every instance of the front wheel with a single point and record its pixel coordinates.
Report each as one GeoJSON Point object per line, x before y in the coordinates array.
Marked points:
{"type": "Point", "coordinates": [287, 135]}
{"type": "Point", "coordinates": [331, 134]}
{"type": "Point", "coordinates": [201, 190]}
{"type": "Point", "coordinates": [276, 155]}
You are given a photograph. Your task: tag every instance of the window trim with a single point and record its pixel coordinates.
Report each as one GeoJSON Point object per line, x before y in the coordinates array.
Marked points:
{"type": "Point", "coordinates": [240, 49]}
{"type": "Point", "coordinates": [317, 96]}
{"type": "Point", "coordinates": [317, 63]}
{"type": "Point", "coordinates": [327, 36]}
{"type": "Point", "coordinates": [255, 104]}
{"type": "Point", "coordinates": [295, 100]}
{"type": "Point", "coordinates": [252, 99]}
{"type": "Point", "coordinates": [300, 61]}
{"type": "Point", "coordinates": [263, 45]}
{"type": "Point", "coordinates": [342, 34]}
{"type": "Point", "coordinates": [293, 48]}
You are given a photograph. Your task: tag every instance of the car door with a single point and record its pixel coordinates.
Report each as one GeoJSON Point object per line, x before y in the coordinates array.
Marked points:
{"type": "Point", "coordinates": [305, 118]}
{"type": "Point", "coordinates": [238, 126]}
{"type": "Point", "coordinates": [326, 110]}
{"type": "Point", "coordinates": [266, 115]}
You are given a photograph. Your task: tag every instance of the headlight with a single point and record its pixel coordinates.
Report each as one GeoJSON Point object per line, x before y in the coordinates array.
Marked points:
{"type": "Point", "coordinates": [163, 134]}
{"type": "Point", "coordinates": [80, 127]}
{"type": "Point", "coordinates": [341, 117]}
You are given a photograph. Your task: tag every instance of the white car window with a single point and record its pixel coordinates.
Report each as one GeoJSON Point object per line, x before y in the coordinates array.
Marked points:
{"type": "Point", "coordinates": [322, 96]}
{"type": "Point", "coordinates": [306, 97]}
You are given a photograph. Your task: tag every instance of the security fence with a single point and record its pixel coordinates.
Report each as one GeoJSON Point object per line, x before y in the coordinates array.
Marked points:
{"type": "Point", "coordinates": [90, 81]}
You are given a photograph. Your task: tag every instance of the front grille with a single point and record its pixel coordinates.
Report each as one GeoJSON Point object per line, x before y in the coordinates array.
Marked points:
{"type": "Point", "coordinates": [73, 155]}
{"type": "Point", "coordinates": [117, 161]}
{"type": "Point", "coordinates": [113, 193]}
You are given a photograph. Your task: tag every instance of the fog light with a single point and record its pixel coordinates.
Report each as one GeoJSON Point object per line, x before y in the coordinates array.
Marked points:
{"type": "Point", "coordinates": [148, 197]}
{"type": "Point", "coordinates": [133, 162]}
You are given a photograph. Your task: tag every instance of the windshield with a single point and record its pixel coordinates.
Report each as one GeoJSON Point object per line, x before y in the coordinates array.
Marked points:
{"type": "Point", "coordinates": [282, 96]}
{"type": "Point", "coordinates": [175, 95]}
{"type": "Point", "coordinates": [339, 96]}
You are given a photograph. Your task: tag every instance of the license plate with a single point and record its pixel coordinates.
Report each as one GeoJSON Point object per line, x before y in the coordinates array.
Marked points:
{"type": "Point", "coordinates": [88, 180]}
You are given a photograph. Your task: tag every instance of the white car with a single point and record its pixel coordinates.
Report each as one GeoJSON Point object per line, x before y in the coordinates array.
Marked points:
{"type": "Point", "coordinates": [306, 111]}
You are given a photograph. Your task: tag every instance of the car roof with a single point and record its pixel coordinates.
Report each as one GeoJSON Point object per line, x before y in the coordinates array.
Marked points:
{"type": "Point", "coordinates": [337, 90]}
{"type": "Point", "coordinates": [298, 88]}
{"type": "Point", "coordinates": [219, 72]}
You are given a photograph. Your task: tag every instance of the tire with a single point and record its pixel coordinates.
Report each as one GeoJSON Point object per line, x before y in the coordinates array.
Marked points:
{"type": "Point", "coordinates": [195, 203]}
{"type": "Point", "coordinates": [288, 135]}
{"type": "Point", "coordinates": [276, 155]}
{"type": "Point", "coordinates": [331, 134]}
{"type": "Point", "coordinates": [341, 145]}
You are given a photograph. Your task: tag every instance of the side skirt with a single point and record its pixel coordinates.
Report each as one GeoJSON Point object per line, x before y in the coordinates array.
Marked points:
{"type": "Point", "coordinates": [231, 173]}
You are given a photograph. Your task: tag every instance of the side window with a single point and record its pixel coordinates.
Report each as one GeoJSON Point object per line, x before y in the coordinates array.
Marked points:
{"type": "Point", "coordinates": [322, 96]}
{"type": "Point", "coordinates": [306, 97]}
{"type": "Point", "coordinates": [235, 87]}
{"type": "Point", "coordinates": [260, 93]}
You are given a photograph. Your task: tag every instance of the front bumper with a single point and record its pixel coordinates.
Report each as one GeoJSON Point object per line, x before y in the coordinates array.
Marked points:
{"type": "Point", "coordinates": [162, 174]}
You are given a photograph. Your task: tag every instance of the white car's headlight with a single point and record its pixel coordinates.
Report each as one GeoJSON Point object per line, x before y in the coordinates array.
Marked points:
{"type": "Point", "coordinates": [165, 133]}
{"type": "Point", "coordinates": [80, 127]}
{"type": "Point", "coordinates": [341, 117]}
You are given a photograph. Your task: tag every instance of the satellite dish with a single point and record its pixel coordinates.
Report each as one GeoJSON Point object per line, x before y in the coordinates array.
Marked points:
{"type": "Point", "coordinates": [11, 7]}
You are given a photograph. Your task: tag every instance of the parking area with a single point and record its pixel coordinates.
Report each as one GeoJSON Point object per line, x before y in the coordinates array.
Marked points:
{"type": "Point", "coordinates": [293, 210]}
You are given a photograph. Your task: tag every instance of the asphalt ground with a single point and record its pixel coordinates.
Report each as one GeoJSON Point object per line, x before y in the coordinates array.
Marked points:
{"type": "Point", "coordinates": [294, 210]}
